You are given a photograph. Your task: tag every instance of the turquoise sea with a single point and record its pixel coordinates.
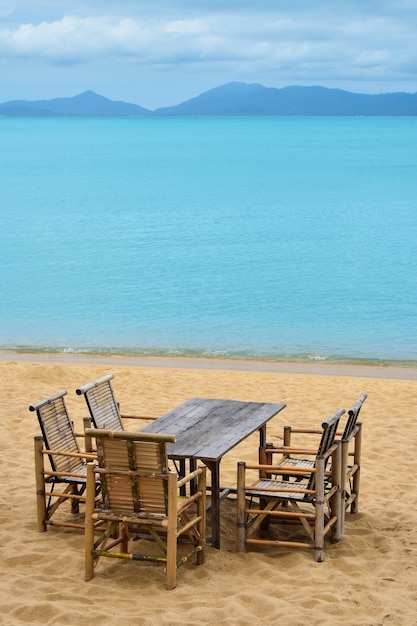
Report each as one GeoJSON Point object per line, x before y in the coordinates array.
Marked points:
{"type": "Point", "coordinates": [267, 237]}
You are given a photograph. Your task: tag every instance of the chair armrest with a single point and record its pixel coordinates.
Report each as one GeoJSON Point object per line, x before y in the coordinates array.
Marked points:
{"type": "Point", "coordinates": [77, 455]}
{"type": "Point", "coordinates": [289, 431]}
{"type": "Point", "coordinates": [188, 477]}
{"type": "Point", "coordinates": [308, 431]}
{"type": "Point", "coordinates": [312, 434]}
{"type": "Point", "coordinates": [138, 417]}
{"type": "Point", "coordinates": [277, 469]}
{"type": "Point", "coordinates": [289, 450]}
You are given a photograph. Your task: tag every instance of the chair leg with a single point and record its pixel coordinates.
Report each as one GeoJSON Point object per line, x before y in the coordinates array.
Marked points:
{"type": "Point", "coordinates": [345, 481]}
{"type": "Point", "coordinates": [75, 504]}
{"type": "Point", "coordinates": [171, 557]}
{"type": "Point", "coordinates": [171, 567]}
{"type": "Point", "coordinates": [319, 533]}
{"type": "Point", "coordinates": [241, 503]}
{"type": "Point", "coordinates": [354, 506]}
{"type": "Point", "coordinates": [319, 512]}
{"type": "Point", "coordinates": [201, 512]}
{"type": "Point", "coordinates": [40, 485]}
{"type": "Point", "coordinates": [89, 523]}
{"type": "Point", "coordinates": [337, 503]}
{"type": "Point", "coordinates": [356, 477]}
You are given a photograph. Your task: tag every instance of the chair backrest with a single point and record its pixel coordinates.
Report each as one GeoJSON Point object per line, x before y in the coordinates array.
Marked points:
{"type": "Point", "coordinates": [134, 472]}
{"type": "Point", "coordinates": [353, 414]}
{"type": "Point", "coordinates": [327, 440]}
{"type": "Point", "coordinates": [57, 431]}
{"type": "Point", "coordinates": [101, 403]}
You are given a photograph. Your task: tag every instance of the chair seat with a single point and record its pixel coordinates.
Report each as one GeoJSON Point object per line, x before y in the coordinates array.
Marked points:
{"type": "Point", "coordinates": [279, 489]}
{"type": "Point", "coordinates": [297, 463]}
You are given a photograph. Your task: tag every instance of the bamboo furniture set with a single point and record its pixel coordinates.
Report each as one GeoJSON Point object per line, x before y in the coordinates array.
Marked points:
{"type": "Point", "coordinates": [132, 489]}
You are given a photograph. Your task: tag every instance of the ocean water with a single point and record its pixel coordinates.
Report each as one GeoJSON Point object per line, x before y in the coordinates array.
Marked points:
{"type": "Point", "coordinates": [262, 237]}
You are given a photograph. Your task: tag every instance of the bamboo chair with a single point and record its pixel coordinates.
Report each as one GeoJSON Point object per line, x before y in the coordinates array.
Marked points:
{"type": "Point", "coordinates": [102, 405]}
{"type": "Point", "coordinates": [140, 494]}
{"type": "Point", "coordinates": [303, 497]}
{"type": "Point", "coordinates": [351, 438]}
{"type": "Point", "coordinates": [105, 413]}
{"type": "Point", "coordinates": [351, 456]}
{"type": "Point", "coordinates": [68, 465]}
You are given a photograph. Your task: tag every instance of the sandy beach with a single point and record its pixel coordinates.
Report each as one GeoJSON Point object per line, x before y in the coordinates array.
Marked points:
{"type": "Point", "coordinates": [369, 578]}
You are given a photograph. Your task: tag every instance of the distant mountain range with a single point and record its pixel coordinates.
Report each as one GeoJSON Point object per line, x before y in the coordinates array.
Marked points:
{"type": "Point", "coordinates": [87, 103]}
{"type": "Point", "coordinates": [230, 99]}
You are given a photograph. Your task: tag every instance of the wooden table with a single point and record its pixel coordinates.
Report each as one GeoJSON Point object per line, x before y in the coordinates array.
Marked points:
{"type": "Point", "coordinates": [208, 428]}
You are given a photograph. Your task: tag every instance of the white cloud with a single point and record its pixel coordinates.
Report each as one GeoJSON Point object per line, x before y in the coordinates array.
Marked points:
{"type": "Point", "coordinates": [75, 38]}
{"type": "Point", "coordinates": [289, 40]}
{"type": "Point", "coordinates": [211, 41]}
{"type": "Point", "coordinates": [69, 39]}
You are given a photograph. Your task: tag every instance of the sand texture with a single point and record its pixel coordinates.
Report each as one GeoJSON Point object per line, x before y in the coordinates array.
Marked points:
{"type": "Point", "coordinates": [369, 578]}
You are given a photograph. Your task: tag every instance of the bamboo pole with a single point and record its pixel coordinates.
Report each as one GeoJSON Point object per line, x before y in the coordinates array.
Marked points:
{"type": "Point", "coordinates": [61, 474]}
{"type": "Point", "coordinates": [275, 513]}
{"type": "Point", "coordinates": [64, 496]}
{"type": "Point", "coordinates": [201, 513]}
{"type": "Point", "coordinates": [337, 504]}
{"type": "Point", "coordinates": [319, 510]}
{"type": "Point", "coordinates": [138, 417]}
{"type": "Point", "coordinates": [51, 522]}
{"type": "Point", "coordinates": [88, 440]}
{"type": "Point", "coordinates": [40, 485]}
{"type": "Point", "coordinates": [357, 462]}
{"type": "Point", "coordinates": [241, 513]}
{"type": "Point", "coordinates": [188, 477]}
{"type": "Point", "coordinates": [77, 455]}
{"type": "Point", "coordinates": [171, 557]}
{"type": "Point", "coordinates": [345, 479]}
{"type": "Point", "coordinates": [89, 523]}
{"type": "Point", "coordinates": [124, 434]}
{"type": "Point", "coordinates": [281, 543]}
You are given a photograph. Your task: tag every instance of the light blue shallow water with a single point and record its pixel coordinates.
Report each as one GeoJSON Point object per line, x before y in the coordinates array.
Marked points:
{"type": "Point", "coordinates": [267, 237]}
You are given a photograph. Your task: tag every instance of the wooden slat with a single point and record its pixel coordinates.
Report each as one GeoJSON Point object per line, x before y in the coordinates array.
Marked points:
{"type": "Point", "coordinates": [183, 417]}
{"type": "Point", "coordinates": [208, 428]}
{"type": "Point", "coordinates": [58, 433]}
{"type": "Point", "coordinates": [125, 490]}
{"type": "Point", "coordinates": [103, 407]}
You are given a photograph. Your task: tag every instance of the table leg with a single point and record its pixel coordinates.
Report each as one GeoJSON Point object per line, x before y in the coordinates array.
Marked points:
{"type": "Point", "coordinates": [214, 468]}
{"type": "Point", "coordinates": [262, 436]}
{"type": "Point", "coordinates": [193, 484]}
{"type": "Point", "coordinates": [181, 474]}
{"type": "Point", "coordinates": [182, 467]}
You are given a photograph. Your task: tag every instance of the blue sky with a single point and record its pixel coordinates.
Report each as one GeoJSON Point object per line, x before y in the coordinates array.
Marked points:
{"type": "Point", "coordinates": [161, 52]}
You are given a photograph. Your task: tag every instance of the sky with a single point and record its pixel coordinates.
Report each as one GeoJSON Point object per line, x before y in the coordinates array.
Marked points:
{"type": "Point", "coordinates": [158, 53]}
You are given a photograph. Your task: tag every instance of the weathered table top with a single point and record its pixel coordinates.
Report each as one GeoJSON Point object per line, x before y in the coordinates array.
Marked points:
{"type": "Point", "coordinates": [207, 428]}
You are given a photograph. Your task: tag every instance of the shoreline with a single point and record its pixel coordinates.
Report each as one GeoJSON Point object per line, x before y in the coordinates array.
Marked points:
{"type": "Point", "coordinates": [324, 368]}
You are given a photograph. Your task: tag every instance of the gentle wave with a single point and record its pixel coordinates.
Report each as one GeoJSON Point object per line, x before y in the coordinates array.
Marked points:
{"type": "Point", "coordinates": [207, 354]}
